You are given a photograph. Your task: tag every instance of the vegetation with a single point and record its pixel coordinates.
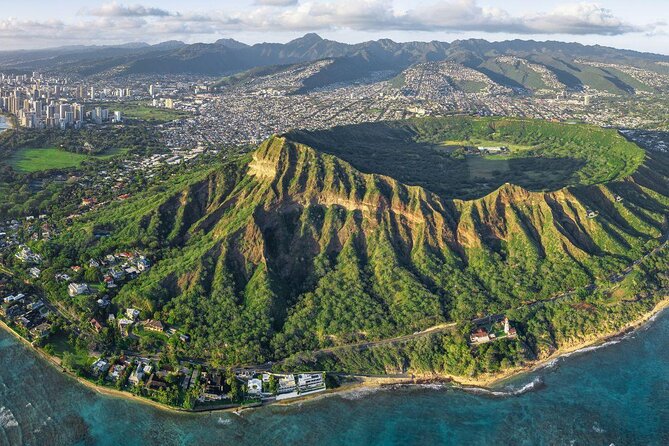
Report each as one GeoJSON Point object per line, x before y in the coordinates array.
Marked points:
{"type": "Point", "coordinates": [544, 155]}
{"type": "Point", "coordinates": [377, 258]}
{"type": "Point", "coordinates": [34, 160]}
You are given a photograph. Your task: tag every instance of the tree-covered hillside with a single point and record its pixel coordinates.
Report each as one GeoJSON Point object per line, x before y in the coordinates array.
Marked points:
{"type": "Point", "coordinates": [294, 249]}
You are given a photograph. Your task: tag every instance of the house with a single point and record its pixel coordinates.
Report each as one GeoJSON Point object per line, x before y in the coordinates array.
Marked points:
{"type": "Point", "coordinates": [116, 274]}
{"type": "Point", "coordinates": [591, 214]}
{"type": "Point", "coordinates": [97, 326]}
{"type": "Point", "coordinates": [117, 371]}
{"type": "Point", "coordinates": [11, 298]}
{"type": "Point", "coordinates": [75, 289]}
{"type": "Point", "coordinates": [93, 263]}
{"type": "Point", "coordinates": [35, 272]}
{"type": "Point", "coordinates": [479, 336]}
{"type": "Point", "coordinates": [26, 255]}
{"type": "Point", "coordinates": [109, 281]}
{"type": "Point", "coordinates": [132, 313]}
{"type": "Point", "coordinates": [143, 264]}
{"type": "Point", "coordinates": [155, 384]}
{"type": "Point", "coordinates": [131, 271]}
{"type": "Point", "coordinates": [100, 366]}
{"type": "Point", "coordinates": [254, 386]}
{"type": "Point", "coordinates": [42, 331]}
{"type": "Point", "coordinates": [153, 325]}
{"type": "Point", "coordinates": [213, 384]}
{"type": "Point", "coordinates": [124, 326]}
{"type": "Point", "coordinates": [310, 381]}
{"type": "Point", "coordinates": [138, 374]}
{"type": "Point", "coordinates": [287, 384]}
{"type": "Point", "coordinates": [62, 277]}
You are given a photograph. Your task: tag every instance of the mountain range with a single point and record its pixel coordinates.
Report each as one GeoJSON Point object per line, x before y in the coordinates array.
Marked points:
{"type": "Point", "coordinates": [351, 61]}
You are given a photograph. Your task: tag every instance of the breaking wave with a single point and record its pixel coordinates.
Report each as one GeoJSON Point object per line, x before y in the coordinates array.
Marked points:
{"type": "Point", "coordinates": [7, 418]}
{"type": "Point", "coordinates": [550, 364]}
{"type": "Point", "coordinates": [536, 384]}
{"type": "Point", "coordinates": [361, 393]}
{"type": "Point", "coordinates": [223, 421]}
{"type": "Point", "coordinates": [593, 347]}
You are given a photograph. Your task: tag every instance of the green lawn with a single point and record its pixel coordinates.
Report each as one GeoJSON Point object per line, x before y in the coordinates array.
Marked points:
{"type": "Point", "coordinates": [474, 142]}
{"type": "Point", "coordinates": [34, 160]}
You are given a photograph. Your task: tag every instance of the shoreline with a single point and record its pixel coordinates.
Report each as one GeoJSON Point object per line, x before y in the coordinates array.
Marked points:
{"type": "Point", "coordinates": [362, 382]}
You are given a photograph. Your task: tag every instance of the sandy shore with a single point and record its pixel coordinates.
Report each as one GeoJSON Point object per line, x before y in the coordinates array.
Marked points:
{"type": "Point", "coordinates": [360, 382]}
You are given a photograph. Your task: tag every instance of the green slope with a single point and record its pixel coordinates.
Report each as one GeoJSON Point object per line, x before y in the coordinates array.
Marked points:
{"type": "Point", "coordinates": [294, 249]}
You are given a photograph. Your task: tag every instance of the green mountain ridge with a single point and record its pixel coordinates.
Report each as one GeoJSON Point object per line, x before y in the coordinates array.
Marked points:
{"type": "Point", "coordinates": [294, 249]}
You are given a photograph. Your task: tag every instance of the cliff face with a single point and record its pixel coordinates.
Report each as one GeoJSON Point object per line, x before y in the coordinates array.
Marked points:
{"type": "Point", "coordinates": [309, 251]}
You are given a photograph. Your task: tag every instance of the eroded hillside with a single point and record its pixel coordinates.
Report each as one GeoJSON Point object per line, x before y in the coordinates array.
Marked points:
{"type": "Point", "coordinates": [294, 249]}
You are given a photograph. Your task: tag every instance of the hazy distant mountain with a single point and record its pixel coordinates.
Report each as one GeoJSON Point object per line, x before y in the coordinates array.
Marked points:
{"type": "Point", "coordinates": [228, 56]}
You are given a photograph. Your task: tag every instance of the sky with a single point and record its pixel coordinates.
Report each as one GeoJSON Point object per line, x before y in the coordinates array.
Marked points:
{"type": "Point", "coordinates": [632, 24]}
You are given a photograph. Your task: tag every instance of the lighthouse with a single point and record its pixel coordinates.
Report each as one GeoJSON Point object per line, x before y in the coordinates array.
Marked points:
{"type": "Point", "coordinates": [507, 327]}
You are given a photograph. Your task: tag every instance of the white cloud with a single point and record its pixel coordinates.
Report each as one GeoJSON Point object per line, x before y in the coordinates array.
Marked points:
{"type": "Point", "coordinates": [117, 22]}
{"type": "Point", "coordinates": [276, 2]}
{"type": "Point", "coordinates": [579, 18]}
{"type": "Point", "coordinates": [118, 10]}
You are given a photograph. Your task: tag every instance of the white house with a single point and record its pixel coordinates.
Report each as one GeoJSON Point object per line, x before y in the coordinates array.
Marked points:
{"type": "Point", "coordinates": [309, 380]}
{"type": "Point", "coordinates": [74, 289]}
{"type": "Point", "coordinates": [254, 386]}
{"type": "Point", "coordinates": [132, 313]}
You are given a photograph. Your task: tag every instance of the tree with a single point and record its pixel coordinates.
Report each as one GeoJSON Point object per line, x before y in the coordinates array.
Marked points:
{"type": "Point", "coordinates": [92, 275]}
{"type": "Point", "coordinates": [273, 385]}
{"type": "Point", "coordinates": [236, 391]}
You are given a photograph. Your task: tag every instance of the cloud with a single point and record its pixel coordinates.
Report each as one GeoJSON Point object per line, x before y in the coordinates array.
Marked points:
{"type": "Point", "coordinates": [276, 2]}
{"type": "Point", "coordinates": [455, 15]}
{"type": "Point", "coordinates": [119, 10]}
{"type": "Point", "coordinates": [579, 19]}
{"type": "Point", "coordinates": [119, 23]}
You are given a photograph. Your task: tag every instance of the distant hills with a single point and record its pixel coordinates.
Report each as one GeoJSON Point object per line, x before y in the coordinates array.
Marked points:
{"type": "Point", "coordinates": [351, 61]}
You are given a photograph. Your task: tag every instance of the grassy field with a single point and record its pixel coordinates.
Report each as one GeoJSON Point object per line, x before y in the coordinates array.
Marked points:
{"type": "Point", "coordinates": [485, 143]}
{"type": "Point", "coordinates": [34, 160]}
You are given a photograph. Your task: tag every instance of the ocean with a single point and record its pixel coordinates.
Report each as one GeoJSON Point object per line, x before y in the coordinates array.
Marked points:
{"type": "Point", "coordinates": [617, 394]}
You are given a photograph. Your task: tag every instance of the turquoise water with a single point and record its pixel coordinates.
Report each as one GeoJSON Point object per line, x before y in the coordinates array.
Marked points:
{"type": "Point", "coordinates": [617, 394]}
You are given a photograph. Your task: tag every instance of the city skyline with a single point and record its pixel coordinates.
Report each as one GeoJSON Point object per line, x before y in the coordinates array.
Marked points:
{"type": "Point", "coordinates": [640, 26]}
